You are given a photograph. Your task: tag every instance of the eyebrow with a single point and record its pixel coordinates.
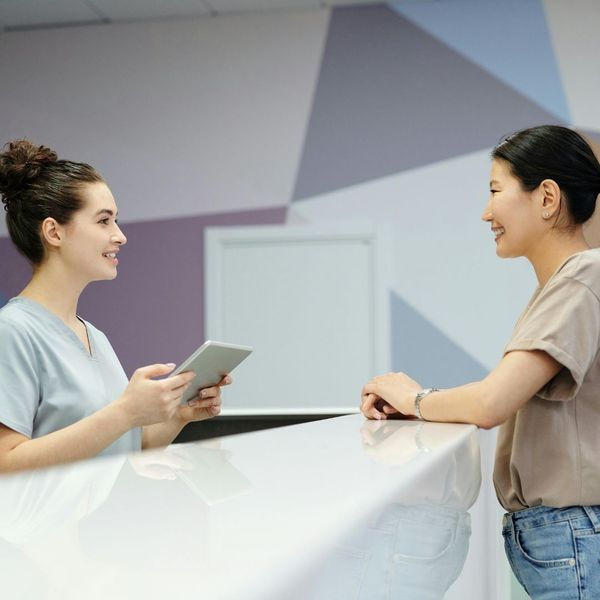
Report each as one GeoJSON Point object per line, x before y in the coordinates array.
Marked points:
{"type": "Point", "coordinates": [105, 211]}
{"type": "Point", "coordinates": [493, 183]}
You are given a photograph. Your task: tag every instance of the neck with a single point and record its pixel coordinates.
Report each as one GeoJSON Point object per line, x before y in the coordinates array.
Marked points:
{"type": "Point", "coordinates": [51, 287]}
{"type": "Point", "coordinates": [553, 251]}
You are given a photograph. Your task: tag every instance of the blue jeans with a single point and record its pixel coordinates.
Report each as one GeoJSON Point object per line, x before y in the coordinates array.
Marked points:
{"type": "Point", "coordinates": [555, 552]}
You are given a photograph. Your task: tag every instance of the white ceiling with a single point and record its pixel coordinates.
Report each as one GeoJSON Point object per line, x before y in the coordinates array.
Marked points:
{"type": "Point", "coordinates": [34, 14]}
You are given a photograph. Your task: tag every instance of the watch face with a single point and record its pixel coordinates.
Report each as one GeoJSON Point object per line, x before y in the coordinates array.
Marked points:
{"type": "Point", "coordinates": [420, 395]}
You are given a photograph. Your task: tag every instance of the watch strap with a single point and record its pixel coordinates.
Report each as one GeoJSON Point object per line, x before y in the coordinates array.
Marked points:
{"type": "Point", "coordinates": [420, 395]}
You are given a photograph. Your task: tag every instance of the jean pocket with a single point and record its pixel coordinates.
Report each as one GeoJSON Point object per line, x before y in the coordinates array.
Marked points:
{"type": "Point", "coordinates": [548, 545]}
{"type": "Point", "coordinates": [343, 577]}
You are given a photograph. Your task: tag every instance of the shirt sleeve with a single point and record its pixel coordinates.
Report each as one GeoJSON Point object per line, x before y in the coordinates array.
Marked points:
{"type": "Point", "coordinates": [19, 380]}
{"type": "Point", "coordinates": [564, 322]}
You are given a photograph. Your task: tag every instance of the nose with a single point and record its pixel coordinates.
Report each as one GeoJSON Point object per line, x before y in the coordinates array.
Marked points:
{"type": "Point", "coordinates": [487, 214]}
{"type": "Point", "coordinates": [119, 236]}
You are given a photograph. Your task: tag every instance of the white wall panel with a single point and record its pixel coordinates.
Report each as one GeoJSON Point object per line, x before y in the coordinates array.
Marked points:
{"type": "Point", "coordinates": [313, 301]}
{"type": "Point", "coordinates": [574, 28]}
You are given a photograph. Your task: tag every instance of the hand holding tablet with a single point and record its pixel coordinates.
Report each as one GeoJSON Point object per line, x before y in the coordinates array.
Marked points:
{"type": "Point", "coordinates": [211, 362]}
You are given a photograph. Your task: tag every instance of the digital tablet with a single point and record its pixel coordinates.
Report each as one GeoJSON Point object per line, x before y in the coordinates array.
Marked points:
{"type": "Point", "coordinates": [210, 363]}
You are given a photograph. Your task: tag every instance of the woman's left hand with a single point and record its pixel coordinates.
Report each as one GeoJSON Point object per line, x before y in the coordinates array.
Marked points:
{"type": "Point", "coordinates": [392, 394]}
{"type": "Point", "coordinates": [206, 405]}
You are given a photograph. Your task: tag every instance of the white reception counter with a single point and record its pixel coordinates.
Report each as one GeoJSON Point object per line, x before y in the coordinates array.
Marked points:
{"type": "Point", "coordinates": [334, 509]}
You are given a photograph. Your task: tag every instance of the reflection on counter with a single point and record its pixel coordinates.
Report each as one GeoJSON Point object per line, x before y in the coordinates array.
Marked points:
{"type": "Point", "coordinates": [414, 548]}
{"type": "Point", "coordinates": [52, 521]}
{"type": "Point", "coordinates": [335, 509]}
{"type": "Point", "coordinates": [40, 513]}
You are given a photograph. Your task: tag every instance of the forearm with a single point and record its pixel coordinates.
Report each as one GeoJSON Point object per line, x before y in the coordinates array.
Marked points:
{"type": "Point", "coordinates": [83, 439]}
{"type": "Point", "coordinates": [486, 403]}
{"type": "Point", "coordinates": [205, 406]}
{"type": "Point", "coordinates": [491, 401]}
{"type": "Point", "coordinates": [471, 403]}
{"type": "Point", "coordinates": [161, 434]}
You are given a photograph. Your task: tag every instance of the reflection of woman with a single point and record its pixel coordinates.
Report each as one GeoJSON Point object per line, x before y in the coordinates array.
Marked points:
{"type": "Point", "coordinates": [544, 392]}
{"type": "Point", "coordinates": [415, 546]}
{"type": "Point", "coordinates": [63, 392]}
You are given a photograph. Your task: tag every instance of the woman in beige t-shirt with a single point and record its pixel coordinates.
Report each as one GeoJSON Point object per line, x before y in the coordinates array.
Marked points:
{"type": "Point", "coordinates": [545, 392]}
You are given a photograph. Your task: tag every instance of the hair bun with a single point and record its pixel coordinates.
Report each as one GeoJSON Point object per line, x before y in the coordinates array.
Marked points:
{"type": "Point", "coordinates": [20, 163]}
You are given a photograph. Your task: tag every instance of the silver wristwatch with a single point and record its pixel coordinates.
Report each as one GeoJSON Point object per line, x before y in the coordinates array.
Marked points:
{"type": "Point", "coordinates": [420, 395]}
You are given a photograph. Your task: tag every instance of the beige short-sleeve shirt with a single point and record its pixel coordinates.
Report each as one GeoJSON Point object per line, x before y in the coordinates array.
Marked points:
{"type": "Point", "coordinates": [548, 453]}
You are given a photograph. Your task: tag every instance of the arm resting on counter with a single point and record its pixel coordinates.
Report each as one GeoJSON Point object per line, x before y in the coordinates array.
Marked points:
{"type": "Point", "coordinates": [486, 403]}
{"type": "Point", "coordinates": [83, 439]}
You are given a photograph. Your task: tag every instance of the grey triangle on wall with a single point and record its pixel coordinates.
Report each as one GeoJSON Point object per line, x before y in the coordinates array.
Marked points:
{"type": "Point", "coordinates": [425, 353]}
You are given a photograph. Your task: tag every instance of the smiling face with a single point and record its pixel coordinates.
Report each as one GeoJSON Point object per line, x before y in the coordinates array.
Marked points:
{"type": "Point", "coordinates": [91, 240]}
{"type": "Point", "coordinates": [513, 213]}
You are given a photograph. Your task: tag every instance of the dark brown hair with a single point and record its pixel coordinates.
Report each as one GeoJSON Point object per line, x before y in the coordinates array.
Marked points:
{"type": "Point", "coordinates": [36, 185]}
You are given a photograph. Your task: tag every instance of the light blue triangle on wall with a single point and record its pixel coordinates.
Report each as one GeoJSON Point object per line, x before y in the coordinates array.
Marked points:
{"type": "Point", "coordinates": [510, 39]}
{"type": "Point", "coordinates": [426, 354]}
{"type": "Point", "coordinates": [407, 96]}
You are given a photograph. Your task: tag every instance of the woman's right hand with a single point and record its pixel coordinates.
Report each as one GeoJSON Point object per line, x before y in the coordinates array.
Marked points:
{"type": "Point", "coordinates": [148, 401]}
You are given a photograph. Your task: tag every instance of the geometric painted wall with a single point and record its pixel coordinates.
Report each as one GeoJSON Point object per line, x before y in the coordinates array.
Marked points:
{"type": "Point", "coordinates": [382, 113]}
{"type": "Point", "coordinates": [435, 105]}
{"type": "Point", "coordinates": [399, 117]}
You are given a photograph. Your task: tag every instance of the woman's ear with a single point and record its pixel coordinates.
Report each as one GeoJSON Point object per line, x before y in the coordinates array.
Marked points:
{"type": "Point", "coordinates": [51, 232]}
{"type": "Point", "coordinates": [550, 198]}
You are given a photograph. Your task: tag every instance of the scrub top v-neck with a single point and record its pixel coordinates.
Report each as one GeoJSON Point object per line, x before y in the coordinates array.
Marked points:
{"type": "Point", "coordinates": [49, 379]}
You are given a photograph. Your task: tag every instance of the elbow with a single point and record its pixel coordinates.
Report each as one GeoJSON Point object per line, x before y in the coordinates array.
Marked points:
{"type": "Point", "coordinates": [489, 413]}
{"type": "Point", "coordinates": [488, 423]}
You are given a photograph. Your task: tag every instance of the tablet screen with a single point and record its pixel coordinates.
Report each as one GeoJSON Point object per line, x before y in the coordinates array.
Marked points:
{"type": "Point", "coordinates": [211, 362]}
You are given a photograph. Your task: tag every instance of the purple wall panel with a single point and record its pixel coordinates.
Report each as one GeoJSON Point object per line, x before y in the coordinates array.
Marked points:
{"type": "Point", "coordinates": [154, 310]}
{"type": "Point", "coordinates": [15, 271]}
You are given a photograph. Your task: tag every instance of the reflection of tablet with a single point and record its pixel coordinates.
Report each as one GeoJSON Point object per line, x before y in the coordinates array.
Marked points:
{"type": "Point", "coordinates": [212, 476]}
{"type": "Point", "coordinates": [210, 363]}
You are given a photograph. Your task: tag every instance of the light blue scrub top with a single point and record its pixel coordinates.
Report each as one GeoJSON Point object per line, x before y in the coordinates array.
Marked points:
{"type": "Point", "coordinates": [49, 380]}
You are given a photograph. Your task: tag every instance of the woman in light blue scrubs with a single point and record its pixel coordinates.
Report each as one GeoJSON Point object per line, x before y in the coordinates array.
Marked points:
{"type": "Point", "coordinates": [63, 393]}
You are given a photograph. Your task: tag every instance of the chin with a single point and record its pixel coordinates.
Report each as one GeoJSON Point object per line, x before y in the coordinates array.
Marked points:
{"type": "Point", "coordinates": [105, 276]}
{"type": "Point", "coordinates": [502, 251]}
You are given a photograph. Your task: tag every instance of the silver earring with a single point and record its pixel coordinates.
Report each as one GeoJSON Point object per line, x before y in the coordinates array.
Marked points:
{"type": "Point", "coordinates": [546, 214]}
